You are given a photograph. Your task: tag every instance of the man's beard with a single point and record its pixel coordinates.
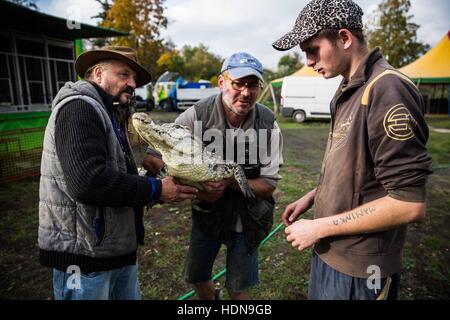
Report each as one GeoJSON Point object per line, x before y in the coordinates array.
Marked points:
{"type": "Point", "coordinates": [229, 104]}
{"type": "Point", "coordinates": [131, 101]}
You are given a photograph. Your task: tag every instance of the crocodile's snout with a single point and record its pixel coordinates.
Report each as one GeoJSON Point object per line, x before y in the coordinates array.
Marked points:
{"type": "Point", "coordinates": [140, 116]}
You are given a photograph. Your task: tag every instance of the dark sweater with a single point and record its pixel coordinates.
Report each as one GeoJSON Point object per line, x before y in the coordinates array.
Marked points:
{"type": "Point", "coordinates": [81, 148]}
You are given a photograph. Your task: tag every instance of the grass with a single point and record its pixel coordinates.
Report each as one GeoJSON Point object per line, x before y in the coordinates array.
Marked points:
{"type": "Point", "coordinates": [284, 272]}
{"type": "Point", "coordinates": [439, 121]}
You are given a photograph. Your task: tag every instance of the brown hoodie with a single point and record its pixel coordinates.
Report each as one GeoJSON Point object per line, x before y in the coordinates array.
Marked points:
{"type": "Point", "coordinates": [376, 148]}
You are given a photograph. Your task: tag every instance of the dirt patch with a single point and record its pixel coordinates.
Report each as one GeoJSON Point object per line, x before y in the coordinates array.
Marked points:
{"type": "Point", "coordinates": [22, 276]}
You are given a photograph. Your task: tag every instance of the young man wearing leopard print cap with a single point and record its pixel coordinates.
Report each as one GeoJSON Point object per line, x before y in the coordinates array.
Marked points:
{"type": "Point", "coordinates": [375, 168]}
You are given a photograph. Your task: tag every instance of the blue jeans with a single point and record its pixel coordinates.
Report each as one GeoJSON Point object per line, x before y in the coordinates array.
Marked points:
{"type": "Point", "coordinates": [326, 283]}
{"type": "Point", "coordinates": [117, 284]}
{"type": "Point", "coordinates": [242, 268]}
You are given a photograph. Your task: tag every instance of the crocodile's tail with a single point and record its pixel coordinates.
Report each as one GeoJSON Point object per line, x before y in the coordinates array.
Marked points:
{"type": "Point", "coordinates": [243, 182]}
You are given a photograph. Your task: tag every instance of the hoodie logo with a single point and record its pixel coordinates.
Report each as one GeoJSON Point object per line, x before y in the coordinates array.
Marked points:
{"type": "Point", "coordinates": [399, 123]}
{"type": "Point", "coordinates": [339, 136]}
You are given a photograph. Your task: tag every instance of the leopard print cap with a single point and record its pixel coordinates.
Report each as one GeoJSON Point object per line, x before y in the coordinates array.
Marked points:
{"type": "Point", "coordinates": [318, 15]}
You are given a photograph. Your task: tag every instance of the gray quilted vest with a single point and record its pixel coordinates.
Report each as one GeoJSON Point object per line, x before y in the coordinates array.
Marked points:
{"type": "Point", "coordinates": [66, 225]}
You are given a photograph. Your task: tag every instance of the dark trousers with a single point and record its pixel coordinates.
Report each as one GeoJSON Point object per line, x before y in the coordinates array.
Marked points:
{"type": "Point", "coordinates": [326, 283]}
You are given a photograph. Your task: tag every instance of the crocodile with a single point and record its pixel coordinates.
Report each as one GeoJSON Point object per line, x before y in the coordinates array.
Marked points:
{"type": "Point", "coordinates": [184, 155]}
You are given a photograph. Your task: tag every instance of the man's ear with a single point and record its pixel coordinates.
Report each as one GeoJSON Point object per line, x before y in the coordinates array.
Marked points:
{"type": "Point", "coordinates": [97, 74]}
{"type": "Point", "coordinates": [345, 38]}
{"type": "Point", "coordinates": [221, 81]}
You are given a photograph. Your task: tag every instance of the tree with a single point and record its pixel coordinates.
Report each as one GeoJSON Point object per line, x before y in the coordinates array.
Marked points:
{"type": "Point", "coordinates": [288, 64]}
{"type": "Point", "coordinates": [394, 32]}
{"type": "Point", "coordinates": [172, 61]}
{"type": "Point", "coordinates": [270, 75]}
{"type": "Point", "coordinates": [192, 63]}
{"type": "Point", "coordinates": [143, 20]}
{"type": "Point", "coordinates": [26, 3]}
{"type": "Point", "coordinates": [106, 6]}
{"type": "Point", "coordinates": [199, 63]}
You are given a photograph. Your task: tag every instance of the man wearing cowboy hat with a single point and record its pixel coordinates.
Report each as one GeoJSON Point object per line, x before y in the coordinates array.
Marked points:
{"type": "Point", "coordinates": [91, 197]}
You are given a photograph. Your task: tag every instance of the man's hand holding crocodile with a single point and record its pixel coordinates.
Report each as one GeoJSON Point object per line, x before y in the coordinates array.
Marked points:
{"type": "Point", "coordinates": [173, 192]}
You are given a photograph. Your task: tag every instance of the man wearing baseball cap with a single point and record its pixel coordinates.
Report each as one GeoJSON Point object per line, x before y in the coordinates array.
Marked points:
{"type": "Point", "coordinates": [222, 215]}
{"type": "Point", "coordinates": [91, 198]}
{"type": "Point", "coordinates": [374, 173]}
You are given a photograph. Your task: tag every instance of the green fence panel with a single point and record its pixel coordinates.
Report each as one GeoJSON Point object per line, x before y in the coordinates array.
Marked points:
{"type": "Point", "coordinates": [21, 140]}
{"type": "Point", "coordinates": [25, 120]}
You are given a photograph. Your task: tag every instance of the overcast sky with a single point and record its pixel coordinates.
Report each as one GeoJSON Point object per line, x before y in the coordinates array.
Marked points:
{"type": "Point", "coordinates": [228, 26]}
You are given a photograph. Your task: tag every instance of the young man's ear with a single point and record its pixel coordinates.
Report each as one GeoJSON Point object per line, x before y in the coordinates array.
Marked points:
{"type": "Point", "coordinates": [346, 38]}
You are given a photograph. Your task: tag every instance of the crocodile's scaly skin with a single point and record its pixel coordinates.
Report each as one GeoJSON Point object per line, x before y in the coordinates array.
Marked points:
{"type": "Point", "coordinates": [184, 155]}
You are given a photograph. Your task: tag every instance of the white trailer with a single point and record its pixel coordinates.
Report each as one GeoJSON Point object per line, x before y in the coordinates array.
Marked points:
{"type": "Point", "coordinates": [304, 98]}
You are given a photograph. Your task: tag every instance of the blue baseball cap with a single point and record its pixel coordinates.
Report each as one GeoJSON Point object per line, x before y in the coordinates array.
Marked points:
{"type": "Point", "coordinates": [242, 64]}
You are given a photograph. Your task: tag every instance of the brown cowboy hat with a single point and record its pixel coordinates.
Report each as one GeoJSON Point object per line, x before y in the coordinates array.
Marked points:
{"type": "Point", "coordinates": [127, 55]}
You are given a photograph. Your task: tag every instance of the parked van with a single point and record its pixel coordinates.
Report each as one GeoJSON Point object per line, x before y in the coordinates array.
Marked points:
{"type": "Point", "coordinates": [303, 98]}
{"type": "Point", "coordinates": [143, 98]}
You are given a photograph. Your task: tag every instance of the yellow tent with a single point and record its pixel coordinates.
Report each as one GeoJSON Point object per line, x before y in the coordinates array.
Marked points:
{"type": "Point", "coordinates": [305, 72]}
{"type": "Point", "coordinates": [434, 66]}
